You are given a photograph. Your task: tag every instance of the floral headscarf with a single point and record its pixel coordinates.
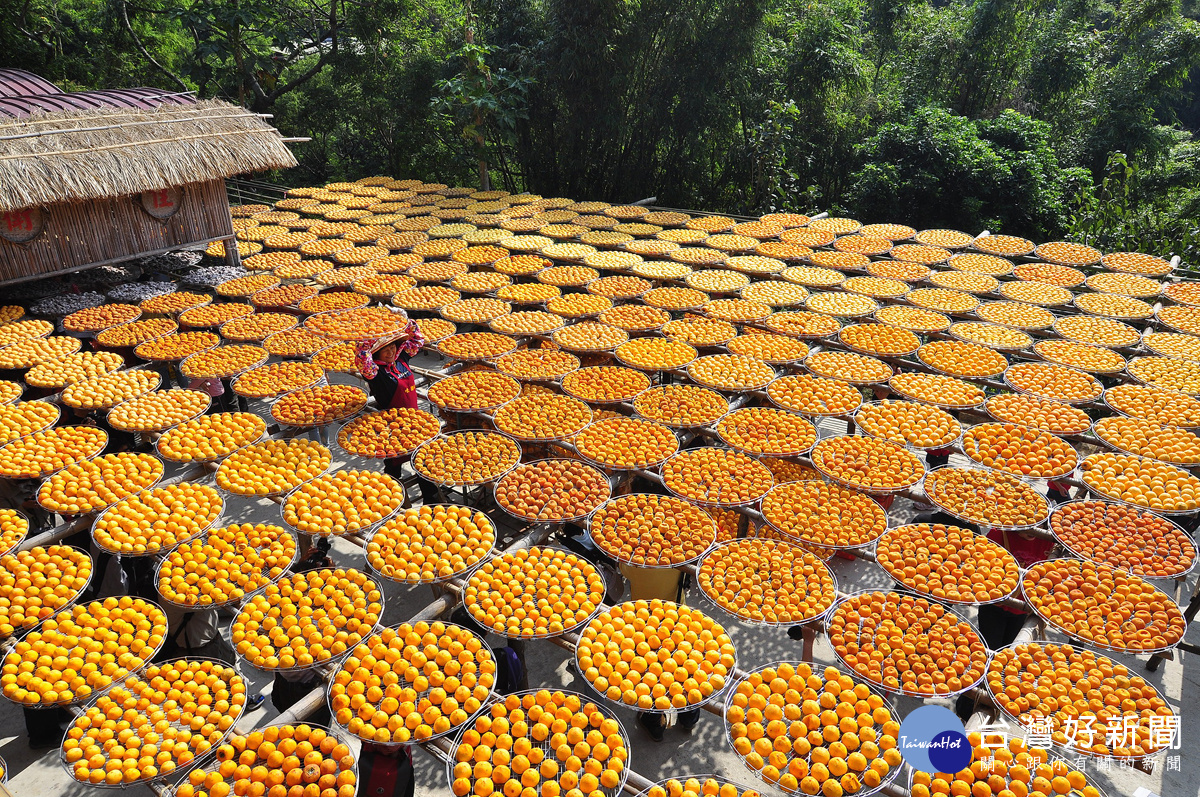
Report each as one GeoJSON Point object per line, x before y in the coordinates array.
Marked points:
{"type": "Point", "coordinates": [365, 361]}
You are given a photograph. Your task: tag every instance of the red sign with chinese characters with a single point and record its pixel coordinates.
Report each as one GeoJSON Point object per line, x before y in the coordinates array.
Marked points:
{"type": "Point", "coordinates": [20, 226]}
{"type": "Point", "coordinates": [163, 203]}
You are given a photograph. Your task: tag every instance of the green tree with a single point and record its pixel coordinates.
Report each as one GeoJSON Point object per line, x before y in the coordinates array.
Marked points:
{"type": "Point", "coordinates": [1135, 210]}
{"type": "Point", "coordinates": [260, 50]}
{"type": "Point", "coordinates": [486, 104]}
{"type": "Point", "coordinates": [86, 44]}
{"type": "Point", "coordinates": [630, 99]}
{"type": "Point", "coordinates": [937, 169]}
{"type": "Point", "coordinates": [825, 80]}
{"type": "Point", "coordinates": [1144, 59]}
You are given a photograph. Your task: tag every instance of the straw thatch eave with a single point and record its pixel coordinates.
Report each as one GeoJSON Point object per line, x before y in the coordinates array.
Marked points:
{"type": "Point", "coordinates": [78, 156]}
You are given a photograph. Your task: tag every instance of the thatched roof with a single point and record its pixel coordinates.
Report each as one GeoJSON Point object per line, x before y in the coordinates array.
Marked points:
{"type": "Point", "coordinates": [76, 156]}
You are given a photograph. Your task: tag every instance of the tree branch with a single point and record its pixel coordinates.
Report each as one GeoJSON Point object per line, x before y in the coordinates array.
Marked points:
{"type": "Point", "coordinates": [248, 76]}
{"type": "Point", "coordinates": [322, 60]}
{"type": "Point", "coordinates": [48, 47]}
{"type": "Point", "coordinates": [146, 53]}
{"type": "Point", "coordinates": [308, 75]}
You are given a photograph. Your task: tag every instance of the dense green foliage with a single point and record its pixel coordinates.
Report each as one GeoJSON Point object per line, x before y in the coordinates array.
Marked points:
{"type": "Point", "coordinates": [1033, 117]}
{"type": "Point", "coordinates": [938, 169]}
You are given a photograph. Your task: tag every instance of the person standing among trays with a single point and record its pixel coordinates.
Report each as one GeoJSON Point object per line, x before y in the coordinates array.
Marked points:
{"type": "Point", "coordinates": [384, 364]}
{"type": "Point", "coordinates": [999, 624]}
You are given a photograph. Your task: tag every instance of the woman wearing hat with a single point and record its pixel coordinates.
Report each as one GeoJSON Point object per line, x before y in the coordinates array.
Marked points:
{"type": "Point", "coordinates": [384, 364]}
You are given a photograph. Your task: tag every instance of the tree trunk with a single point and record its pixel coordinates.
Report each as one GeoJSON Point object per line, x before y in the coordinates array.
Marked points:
{"type": "Point", "coordinates": [485, 181]}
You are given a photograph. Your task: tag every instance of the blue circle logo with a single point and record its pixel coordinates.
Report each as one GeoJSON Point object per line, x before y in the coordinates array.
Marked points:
{"type": "Point", "coordinates": [933, 739]}
{"type": "Point", "coordinates": [946, 752]}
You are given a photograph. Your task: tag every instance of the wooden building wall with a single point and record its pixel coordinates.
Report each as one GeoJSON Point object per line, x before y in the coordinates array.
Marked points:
{"type": "Point", "coordinates": [80, 235]}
